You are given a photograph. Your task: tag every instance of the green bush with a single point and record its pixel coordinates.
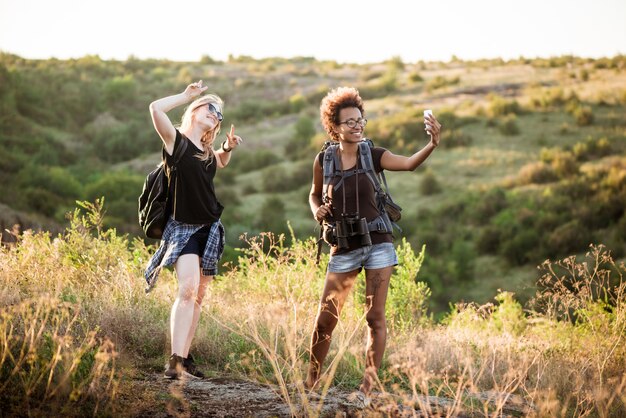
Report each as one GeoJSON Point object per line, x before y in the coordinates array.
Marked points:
{"type": "Point", "coordinates": [522, 247]}
{"type": "Point", "coordinates": [452, 138]}
{"type": "Point", "coordinates": [488, 240]}
{"type": "Point", "coordinates": [508, 125]}
{"type": "Point", "coordinates": [568, 238]}
{"type": "Point", "coordinates": [247, 161]}
{"type": "Point", "coordinates": [536, 173]}
{"type": "Point", "coordinates": [407, 300]}
{"type": "Point", "coordinates": [565, 165]}
{"type": "Point", "coordinates": [415, 77]}
{"type": "Point", "coordinates": [429, 185]}
{"type": "Point", "coordinates": [499, 106]}
{"type": "Point", "coordinates": [583, 115]}
{"type": "Point", "coordinates": [440, 81]}
{"type": "Point", "coordinates": [299, 145]}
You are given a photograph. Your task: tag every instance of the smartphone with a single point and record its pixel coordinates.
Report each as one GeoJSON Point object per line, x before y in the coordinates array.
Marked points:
{"type": "Point", "coordinates": [427, 112]}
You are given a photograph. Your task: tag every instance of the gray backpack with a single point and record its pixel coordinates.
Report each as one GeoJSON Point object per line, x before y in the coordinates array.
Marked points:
{"type": "Point", "coordinates": [389, 210]}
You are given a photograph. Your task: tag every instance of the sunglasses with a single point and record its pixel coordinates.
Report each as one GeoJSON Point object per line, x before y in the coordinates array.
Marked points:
{"type": "Point", "coordinates": [215, 110]}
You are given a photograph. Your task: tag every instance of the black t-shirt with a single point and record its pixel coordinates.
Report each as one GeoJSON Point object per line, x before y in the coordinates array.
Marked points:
{"type": "Point", "coordinates": [368, 207]}
{"type": "Point", "coordinates": [195, 200]}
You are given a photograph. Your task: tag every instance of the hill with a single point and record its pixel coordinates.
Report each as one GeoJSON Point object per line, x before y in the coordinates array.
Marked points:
{"type": "Point", "coordinates": [531, 166]}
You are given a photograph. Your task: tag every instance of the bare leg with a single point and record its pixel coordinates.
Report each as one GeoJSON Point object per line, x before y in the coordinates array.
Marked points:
{"type": "Point", "coordinates": [376, 287]}
{"type": "Point", "coordinates": [204, 282]}
{"type": "Point", "coordinates": [188, 273]}
{"type": "Point", "coordinates": [336, 289]}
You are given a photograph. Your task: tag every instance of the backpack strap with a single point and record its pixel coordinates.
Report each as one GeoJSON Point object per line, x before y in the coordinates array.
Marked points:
{"type": "Point", "coordinates": [170, 171]}
{"type": "Point", "coordinates": [330, 163]}
{"type": "Point", "coordinates": [178, 151]}
{"type": "Point", "coordinates": [365, 154]}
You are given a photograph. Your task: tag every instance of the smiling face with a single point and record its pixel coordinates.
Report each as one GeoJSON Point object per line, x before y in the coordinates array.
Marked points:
{"type": "Point", "coordinates": [351, 125]}
{"type": "Point", "coordinates": [204, 112]}
{"type": "Point", "coordinates": [208, 114]}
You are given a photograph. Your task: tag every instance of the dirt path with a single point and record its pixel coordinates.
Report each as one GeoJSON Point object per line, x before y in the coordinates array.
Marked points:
{"type": "Point", "coordinates": [227, 397]}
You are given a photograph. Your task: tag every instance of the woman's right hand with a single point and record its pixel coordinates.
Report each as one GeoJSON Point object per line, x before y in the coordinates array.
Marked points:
{"type": "Point", "coordinates": [194, 90]}
{"type": "Point", "coordinates": [322, 212]}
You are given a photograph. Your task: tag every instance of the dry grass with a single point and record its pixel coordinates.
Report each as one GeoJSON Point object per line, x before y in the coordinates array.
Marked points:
{"type": "Point", "coordinates": [69, 304]}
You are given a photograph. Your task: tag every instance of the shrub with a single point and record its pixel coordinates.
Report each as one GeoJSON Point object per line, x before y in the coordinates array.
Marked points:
{"type": "Point", "coordinates": [440, 82]}
{"type": "Point", "coordinates": [415, 77]}
{"type": "Point", "coordinates": [247, 161]}
{"type": "Point", "coordinates": [407, 299]}
{"type": "Point", "coordinates": [508, 317]}
{"type": "Point", "coordinates": [592, 148]}
{"type": "Point", "coordinates": [583, 115]}
{"type": "Point", "coordinates": [299, 145]}
{"type": "Point", "coordinates": [451, 138]}
{"type": "Point", "coordinates": [521, 247]}
{"type": "Point", "coordinates": [488, 240]}
{"type": "Point", "coordinates": [498, 106]}
{"type": "Point", "coordinates": [568, 238]}
{"type": "Point", "coordinates": [536, 173]}
{"type": "Point", "coordinates": [429, 184]}
{"type": "Point", "coordinates": [272, 216]}
{"type": "Point", "coordinates": [564, 164]}
{"type": "Point", "coordinates": [508, 126]}
{"type": "Point", "coordinates": [297, 102]}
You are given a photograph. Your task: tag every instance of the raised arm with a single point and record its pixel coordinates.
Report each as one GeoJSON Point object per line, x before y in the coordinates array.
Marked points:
{"type": "Point", "coordinates": [160, 107]}
{"type": "Point", "coordinates": [390, 161]}
{"type": "Point", "coordinates": [223, 151]}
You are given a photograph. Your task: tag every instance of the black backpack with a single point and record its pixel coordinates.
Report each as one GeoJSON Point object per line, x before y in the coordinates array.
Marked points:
{"type": "Point", "coordinates": [154, 203]}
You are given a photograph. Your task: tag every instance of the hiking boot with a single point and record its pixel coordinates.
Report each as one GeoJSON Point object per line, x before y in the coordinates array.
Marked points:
{"type": "Point", "coordinates": [190, 367]}
{"type": "Point", "coordinates": [175, 367]}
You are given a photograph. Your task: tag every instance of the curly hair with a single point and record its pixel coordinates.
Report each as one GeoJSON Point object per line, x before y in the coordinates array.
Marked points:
{"type": "Point", "coordinates": [335, 100]}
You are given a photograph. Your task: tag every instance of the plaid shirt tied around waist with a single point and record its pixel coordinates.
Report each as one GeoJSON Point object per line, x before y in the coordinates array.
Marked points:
{"type": "Point", "coordinates": [174, 239]}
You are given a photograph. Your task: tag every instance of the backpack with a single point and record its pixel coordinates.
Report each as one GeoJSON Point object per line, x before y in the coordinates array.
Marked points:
{"type": "Point", "coordinates": [154, 203]}
{"type": "Point", "coordinates": [389, 210]}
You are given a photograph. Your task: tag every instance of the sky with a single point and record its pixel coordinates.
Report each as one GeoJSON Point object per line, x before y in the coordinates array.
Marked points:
{"type": "Point", "coordinates": [345, 31]}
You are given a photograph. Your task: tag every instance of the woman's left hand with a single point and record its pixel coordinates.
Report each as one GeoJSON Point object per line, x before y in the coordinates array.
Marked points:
{"type": "Point", "coordinates": [232, 139]}
{"type": "Point", "coordinates": [433, 128]}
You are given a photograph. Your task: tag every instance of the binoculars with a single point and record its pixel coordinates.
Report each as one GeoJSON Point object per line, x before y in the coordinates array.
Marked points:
{"type": "Point", "coordinates": [350, 226]}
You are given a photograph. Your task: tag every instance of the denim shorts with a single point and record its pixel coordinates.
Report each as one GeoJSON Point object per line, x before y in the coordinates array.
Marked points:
{"type": "Point", "coordinates": [197, 242]}
{"type": "Point", "coordinates": [375, 256]}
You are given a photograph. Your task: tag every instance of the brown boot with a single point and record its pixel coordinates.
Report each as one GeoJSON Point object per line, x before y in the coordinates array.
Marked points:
{"type": "Point", "coordinates": [175, 367]}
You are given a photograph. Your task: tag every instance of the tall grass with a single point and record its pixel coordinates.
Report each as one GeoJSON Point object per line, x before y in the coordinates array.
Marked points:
{"type": "Point", "coordinates": [73, 307]}
{"type": "Point", "coordinates": [52, 362]}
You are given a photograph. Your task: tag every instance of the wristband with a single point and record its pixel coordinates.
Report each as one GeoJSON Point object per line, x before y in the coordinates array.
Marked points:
{"type": "Point", "coordinates": [224, 148]}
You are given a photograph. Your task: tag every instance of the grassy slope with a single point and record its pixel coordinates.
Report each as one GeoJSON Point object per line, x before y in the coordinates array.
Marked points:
{"type": "Point", "coordinates": [490, 160]}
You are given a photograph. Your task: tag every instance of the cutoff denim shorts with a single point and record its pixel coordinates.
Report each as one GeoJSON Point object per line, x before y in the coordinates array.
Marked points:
{"type": "Point", "coordinates": [375, 256]}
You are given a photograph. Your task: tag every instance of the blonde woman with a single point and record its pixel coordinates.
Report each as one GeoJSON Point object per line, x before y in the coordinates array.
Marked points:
{"type": "Point", "coordinates": [193, 239]}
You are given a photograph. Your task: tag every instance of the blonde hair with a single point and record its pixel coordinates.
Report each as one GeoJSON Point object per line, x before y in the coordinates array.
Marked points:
{"type": "Point", "coordinates": [209, 136]}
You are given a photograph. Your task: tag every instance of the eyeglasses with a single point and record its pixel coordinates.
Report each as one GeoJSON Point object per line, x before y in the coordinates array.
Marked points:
{"type": "Point", "coordinates": [215, 110]}
{"type": "Point", "coordinates": [353, 123]}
